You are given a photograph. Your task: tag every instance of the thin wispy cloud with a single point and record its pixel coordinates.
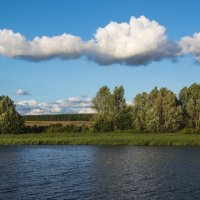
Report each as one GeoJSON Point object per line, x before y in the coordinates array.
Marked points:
{"type": "Point", "coordinates": [21, 92]}
{"type": "Point", "coordinates": [138, 42]}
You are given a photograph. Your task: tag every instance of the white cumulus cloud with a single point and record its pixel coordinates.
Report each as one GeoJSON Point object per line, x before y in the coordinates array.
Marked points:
{"type": "Point", "coordinates": [86, 110]}
{"type": "Point", "coordinates": [36, 111]}
{"type": "Point", "coordinates": [65, 46]}
{"type": "Point", "coordinates": [28, 103]}
{"type": "Point", "coordinates": [138, 42]}
{"type": "Point", "coordinates": [191, 45]}
{"type": "Point", "coordinates": [70, 105]}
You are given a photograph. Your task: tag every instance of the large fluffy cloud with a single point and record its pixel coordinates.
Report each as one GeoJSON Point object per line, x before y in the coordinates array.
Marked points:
{"type": "Point", "coordinates": [64, 46]}
{"type": "Point", "coordinates": [135, 43]}
{"type": "Point", "coordinates": [138, 42]}
{"type": "Point", "coordinates": [70, 105]}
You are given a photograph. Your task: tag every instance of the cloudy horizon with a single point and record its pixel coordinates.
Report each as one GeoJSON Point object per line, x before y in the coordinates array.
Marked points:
{"type": "Point", "coordinates": [71, 49]}
{"type": "Point", "coordinates": [70, 105]}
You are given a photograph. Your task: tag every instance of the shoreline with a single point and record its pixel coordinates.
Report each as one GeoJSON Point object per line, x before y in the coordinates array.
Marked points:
{"type": "Point", "coordinates": [134, 139]}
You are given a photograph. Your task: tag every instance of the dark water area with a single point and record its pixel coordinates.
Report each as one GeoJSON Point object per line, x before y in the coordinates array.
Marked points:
{"type": "Point", "coordinates": [99, 172]}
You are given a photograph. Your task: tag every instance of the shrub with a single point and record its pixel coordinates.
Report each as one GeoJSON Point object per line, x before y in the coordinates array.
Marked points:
{"type": "Point", "coordinates": [59, 128]}
{"type": "Point", "coordinates": [190, 131]}
{"type": "Point", "coordinates": [34, 129]}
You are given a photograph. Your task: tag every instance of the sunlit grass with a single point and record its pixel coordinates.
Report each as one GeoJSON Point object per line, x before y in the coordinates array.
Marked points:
{"type": "Point", "coordinates": [175, 139]}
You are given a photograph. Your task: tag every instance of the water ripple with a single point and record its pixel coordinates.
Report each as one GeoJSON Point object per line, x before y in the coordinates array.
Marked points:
{"type": "Point", "coordinates": [99, 172]}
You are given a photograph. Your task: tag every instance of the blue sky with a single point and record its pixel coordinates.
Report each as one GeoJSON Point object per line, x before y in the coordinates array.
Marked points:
{"type": "Point", "coordinates": [54, 79]}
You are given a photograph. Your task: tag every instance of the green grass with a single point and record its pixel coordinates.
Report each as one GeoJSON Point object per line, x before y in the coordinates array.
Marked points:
{"type": "Point", "coordinates": [175, 139]}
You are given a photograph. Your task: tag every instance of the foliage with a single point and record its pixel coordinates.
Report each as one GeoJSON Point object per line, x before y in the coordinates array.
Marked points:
{"type": "Point", "coordinates": [158, 111]}
{"type": "Point", "coordinates": [139, 112]}
{"type": "Point", "coordinates": [34, 129]}
{"type": "Point", "coordinates": [10, 120]}
{"type": "Point", "coordinates": [58, 128]}
{"type": "Point", "coordinates": [112, 111]}
{"type": "Point", "coordinates": [190, 131]}
{"type": "Point", "coordinates": [102, 124]}
{"type": "Point", "coordinates": [190, 99]}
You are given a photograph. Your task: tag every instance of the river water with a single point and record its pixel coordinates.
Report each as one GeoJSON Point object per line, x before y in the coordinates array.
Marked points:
{"type": "Point", "coordinates": [99, 172]}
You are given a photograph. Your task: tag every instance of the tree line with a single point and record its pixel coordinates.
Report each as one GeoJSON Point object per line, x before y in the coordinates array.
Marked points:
{"type": "Point", "coordinates": [158, 111]}
{"type": "Point", "coordinates": [59, 117]}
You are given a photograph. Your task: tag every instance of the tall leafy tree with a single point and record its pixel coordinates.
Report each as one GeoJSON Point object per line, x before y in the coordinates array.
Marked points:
{"type": "Point", "coordinates": [111, 108]}
{"type": "Point", "coordinates": [139, 112]}
{"type": "Point", "coordinates": [122, 116]}
{"type": "Point", "coordinates": [170, 111]}
{"type": "Point", "coordinates": [190, 99]}
{"type": "Point", "coordinates": [158, 111]}
{"type": "Point", "coordinates": [102, 103]}
{"type": "Point", "coordinates": [10, 120]}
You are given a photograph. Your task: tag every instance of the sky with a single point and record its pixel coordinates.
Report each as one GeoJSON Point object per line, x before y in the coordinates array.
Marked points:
{"type": "Point", "coordinates": [55, 55]}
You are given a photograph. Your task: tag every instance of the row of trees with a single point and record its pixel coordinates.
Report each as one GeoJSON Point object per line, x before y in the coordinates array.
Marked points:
{"type": "Point", "coordinates": [59, 117]}
{"type": "Point", "coordinates": [157, 111]}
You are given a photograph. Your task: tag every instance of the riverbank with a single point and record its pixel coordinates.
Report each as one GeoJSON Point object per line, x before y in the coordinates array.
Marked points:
{"type": "Point", "coordinates": [175, 139]}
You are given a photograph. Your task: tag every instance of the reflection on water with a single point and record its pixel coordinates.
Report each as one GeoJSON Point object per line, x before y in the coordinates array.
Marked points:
{"type": "Point", "coordinates": [99, 172]}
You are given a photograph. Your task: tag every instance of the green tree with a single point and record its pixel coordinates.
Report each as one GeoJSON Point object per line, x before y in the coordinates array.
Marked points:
{"type": "Point", "coordinates": [103, 106]}
{"type": "Point", "coordinates": [10, 120]}
{"type": "Point", "coordinates": [102, 101]}
{"type": "Point", "coordinates": [158, 111]}
{"type": "Point", "coordinates": [112, 111]}
{"type": "Point", "coordinates": [190, 99]}
{"type": "Point", "coordinates": [139, 112]}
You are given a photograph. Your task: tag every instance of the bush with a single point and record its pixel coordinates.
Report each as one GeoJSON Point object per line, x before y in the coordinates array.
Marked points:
{"type": "Point", "coordinates": [34, 129]}
{"type": "Point", "coordinates": [102, 125]}
{"type": "Point", "coordinates": [59, 128]}
{"type": "Point", "coordinates": [190, 131]}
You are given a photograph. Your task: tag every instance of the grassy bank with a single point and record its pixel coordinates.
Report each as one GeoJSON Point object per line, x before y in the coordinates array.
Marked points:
{"type": "Point", "coordinates": [175, 139]}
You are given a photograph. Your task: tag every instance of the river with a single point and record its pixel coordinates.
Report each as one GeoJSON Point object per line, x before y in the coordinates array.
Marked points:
{"type": "Point", "coordinates": [99, 172]}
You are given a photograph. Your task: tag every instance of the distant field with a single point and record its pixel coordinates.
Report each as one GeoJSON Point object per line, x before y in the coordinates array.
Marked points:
{"type": "Point", "coordinates": [47, 123]}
